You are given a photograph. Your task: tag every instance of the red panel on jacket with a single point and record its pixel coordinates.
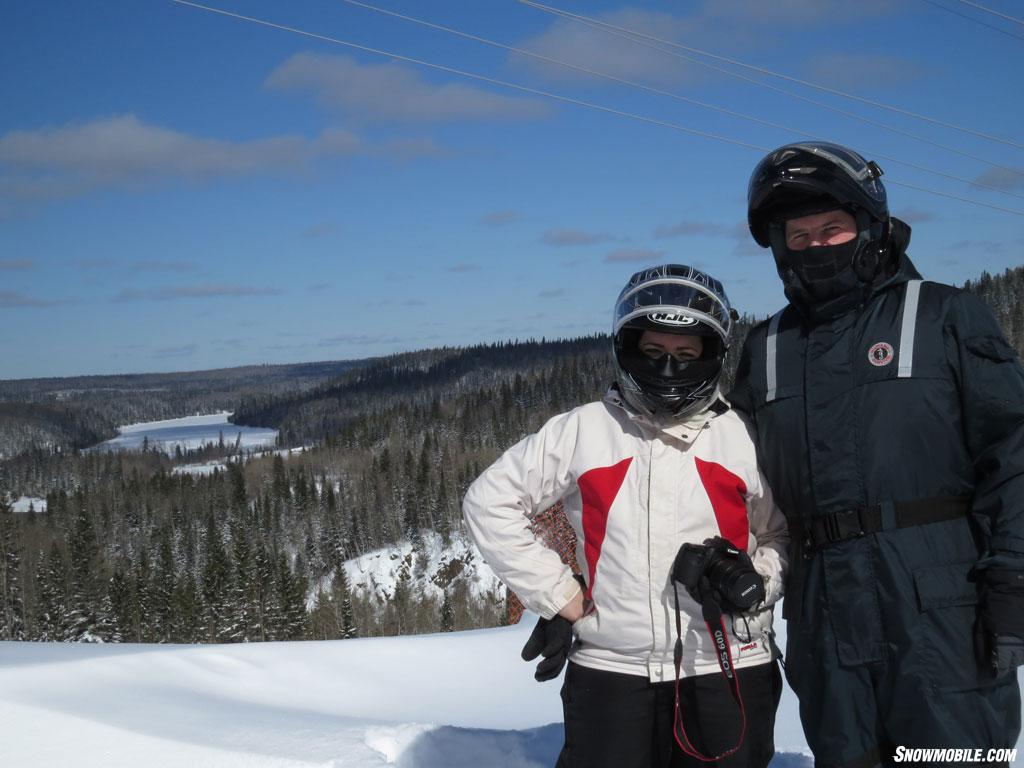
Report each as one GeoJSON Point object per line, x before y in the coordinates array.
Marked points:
{"type": "Point", "coordinates": [598, 489]}
{"type": "Point", "coordinates": [728, 498]}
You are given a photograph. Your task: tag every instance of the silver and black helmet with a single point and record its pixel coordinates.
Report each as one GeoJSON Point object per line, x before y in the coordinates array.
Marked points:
{"type": "Point", "coordinates": [670, 298]}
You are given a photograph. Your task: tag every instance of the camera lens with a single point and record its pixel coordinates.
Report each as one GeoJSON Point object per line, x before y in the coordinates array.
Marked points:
{"type": "Point", "coordinates": [738, 584]}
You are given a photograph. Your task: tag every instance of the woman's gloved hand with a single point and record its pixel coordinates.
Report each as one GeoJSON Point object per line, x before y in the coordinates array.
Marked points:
{"type": "Point", "coordinates": [552, 639]}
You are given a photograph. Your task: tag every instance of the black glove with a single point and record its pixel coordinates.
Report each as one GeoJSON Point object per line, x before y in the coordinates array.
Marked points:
{"type": "Point", "coordinates": [552, 639]}
{"type": "Point", "coordinates": [1007, 654]}
{"type": "Point", "coordinates": [1000, 631]}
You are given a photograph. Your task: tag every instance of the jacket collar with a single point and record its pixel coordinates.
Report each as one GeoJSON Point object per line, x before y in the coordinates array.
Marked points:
{"type": "Point", "coordinates": [685, 431]}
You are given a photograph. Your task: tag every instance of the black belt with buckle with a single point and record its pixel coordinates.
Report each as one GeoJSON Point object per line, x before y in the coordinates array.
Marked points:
{"type": "Point", "coordinates": [825, 530]}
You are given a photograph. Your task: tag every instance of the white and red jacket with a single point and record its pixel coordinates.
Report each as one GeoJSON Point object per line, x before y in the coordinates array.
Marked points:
{"type": "Point", "coordinates": [634, 492]}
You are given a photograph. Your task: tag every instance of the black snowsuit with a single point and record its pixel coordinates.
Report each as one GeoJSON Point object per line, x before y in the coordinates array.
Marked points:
{"type": "Point", "coordinates": [904, 418]}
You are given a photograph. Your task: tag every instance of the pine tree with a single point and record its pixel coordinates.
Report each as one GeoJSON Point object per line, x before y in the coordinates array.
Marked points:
{"type": "Point", "coordinates": [343, 599]}
{"type": "Point", "coordinates": [447, 614]}
{"type": "Point", "coordinates": [216, 586]}
{"type": "Point", "coordinates": [83, 621]}
{"type": "Point", "coordinates": [162, 586]}
{"type": "Point", "coordinates": [264, 603]}
{"type": "Point", "coordinates": [243, 609]}
{"type": "Point", "coordinates": [186, 612]}
{"type": "Point", "coordinates": [51, 595]}
{"type": "Point", "coordinates": [291, 601]}
{"type": "Point", "coordinates": [12, 608]}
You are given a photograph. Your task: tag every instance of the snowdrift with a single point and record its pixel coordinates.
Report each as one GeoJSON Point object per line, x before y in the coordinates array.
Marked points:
{"type": "Point", "coordinates": [459, 699]}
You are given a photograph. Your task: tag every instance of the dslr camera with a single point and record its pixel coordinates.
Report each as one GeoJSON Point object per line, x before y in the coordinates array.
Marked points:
{"type": "Point", "coordinates": [718, 570]}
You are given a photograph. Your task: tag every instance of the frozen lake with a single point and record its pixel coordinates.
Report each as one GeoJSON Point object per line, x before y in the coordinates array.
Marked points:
{"type": "Point", "coordinates": [190, 432]}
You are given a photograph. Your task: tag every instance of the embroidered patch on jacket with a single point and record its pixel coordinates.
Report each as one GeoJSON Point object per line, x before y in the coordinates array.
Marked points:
{"type": "Point", "coordinates": [880, 354]}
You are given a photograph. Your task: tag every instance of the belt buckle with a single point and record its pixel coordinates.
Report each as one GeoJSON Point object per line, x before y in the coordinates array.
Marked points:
{"type": "Point", "coordinates": [833, 532]}
{"type": "Point", "coordinates": [838, 528]}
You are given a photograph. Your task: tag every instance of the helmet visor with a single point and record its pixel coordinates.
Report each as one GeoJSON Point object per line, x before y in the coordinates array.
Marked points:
{"type": "Point", "coordinates": [672, 305]}
{"type": "Point", "coordinates": [790, 164]}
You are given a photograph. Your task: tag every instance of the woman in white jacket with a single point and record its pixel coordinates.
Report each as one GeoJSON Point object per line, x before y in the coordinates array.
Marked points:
{"type": "Point", "coordinates": [661, 461]}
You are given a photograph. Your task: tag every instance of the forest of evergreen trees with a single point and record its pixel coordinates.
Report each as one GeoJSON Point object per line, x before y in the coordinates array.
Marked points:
{"type": "Point", "coordinates": [129, 550]}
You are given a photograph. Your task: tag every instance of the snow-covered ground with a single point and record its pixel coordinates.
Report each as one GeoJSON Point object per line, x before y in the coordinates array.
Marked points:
{"type": "Point", "coordinates": [433, 701]}
{"type": "Point", "coordinates": [206, 468]}
{"type": "Point", "coordinates": [26, 503]}
{"type": "Point", "coordinates": [190, 432]}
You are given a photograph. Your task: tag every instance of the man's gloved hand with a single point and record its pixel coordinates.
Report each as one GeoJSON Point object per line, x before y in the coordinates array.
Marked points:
{"type": "Point", "coordinates": [1007, 654]}
{"type": "Point", "coordinates": [551, 638]}
{"type": "Point", "coordinates": [1000, 639]}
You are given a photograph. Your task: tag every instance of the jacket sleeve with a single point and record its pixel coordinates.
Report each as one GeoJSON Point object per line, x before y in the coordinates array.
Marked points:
{"type": "Point", "coordinates": [741, 397]}
{"type": "Point", "coordinates": [529, 476]}
{"type": "Point", "coordinates": [991, 384]}
{"type": "Point", "coordinates": [768, 526]}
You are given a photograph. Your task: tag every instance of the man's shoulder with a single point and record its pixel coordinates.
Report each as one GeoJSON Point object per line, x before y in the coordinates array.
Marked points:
{"type": "Point", "coordinates": [760, 328]}
{"type": "Point", "coordinates": [945, 298]}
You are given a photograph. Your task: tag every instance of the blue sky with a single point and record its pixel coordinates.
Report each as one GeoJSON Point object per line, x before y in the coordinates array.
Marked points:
{"type": "Point", "coordinates": [183, 190]}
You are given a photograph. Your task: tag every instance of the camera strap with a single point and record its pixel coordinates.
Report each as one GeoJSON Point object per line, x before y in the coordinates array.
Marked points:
{"type": "Point", "coordinates": [713, 619]}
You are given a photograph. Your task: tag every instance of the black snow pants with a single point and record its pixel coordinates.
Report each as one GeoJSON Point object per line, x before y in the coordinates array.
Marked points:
{"type": "Point", "coordinates": [615, 720]}
{"type": "Point", "coordinates": [882, 656]}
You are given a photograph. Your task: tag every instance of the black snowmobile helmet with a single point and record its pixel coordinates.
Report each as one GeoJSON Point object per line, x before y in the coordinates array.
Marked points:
{"type": "Point", "coordinates": [671, 298]}
{"type": "Point", "coordinates": [813, 177]}
{"type": "Point", "coordinates": [800, 179]}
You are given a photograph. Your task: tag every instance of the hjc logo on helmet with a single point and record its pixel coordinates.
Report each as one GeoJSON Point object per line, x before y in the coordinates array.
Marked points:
{"type": "Point", "coordinates": [669, 318]}
{"type": "Point", "coordinates": [880, 354]}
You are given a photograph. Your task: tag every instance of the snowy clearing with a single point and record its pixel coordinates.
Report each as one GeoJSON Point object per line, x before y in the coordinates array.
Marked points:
{"type": "Point", "coordinates": [459, 699]}
{"type": "Point", "coordinates": [28, 503]}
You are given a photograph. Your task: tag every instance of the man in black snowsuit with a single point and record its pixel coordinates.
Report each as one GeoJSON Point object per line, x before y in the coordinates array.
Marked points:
{"type": "Point", "coordinates": [890, 418]}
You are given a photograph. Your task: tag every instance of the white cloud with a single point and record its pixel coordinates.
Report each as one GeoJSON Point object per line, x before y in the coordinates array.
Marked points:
{"type": "Point", "coordinates": [718, 26]}
{"type": "Point", "coordinates": [497, 218]}
{"type": "Point", "coordinates": [913, 215]}
{"type": "Point", "coordinates": [186, 350]}
{"type": "Point", "coordinates": [12, 264]}
{"type": "Point", "coordinates": [60, 162]}
{"type": "Point", "coordinates": [635, 254]}
{"type": "Point", "coordinates": [1007, 179]}
{"type": "Point", "coordinates": [394, 92]}
{"type": "Point", "coordinates": [157, 265]}
{"type": "Point", "coordinates": [694, 228]}
{"type": "Point", "coordinates": [859, 70]}
{"type": "Point", "coordinates": [17, 300]}
{"type": "Point", "coordinates": [584, 46]}
{"type": "Point", "coordinates": [198, 291]}
{"type": "Point", "coordinates": [561, 238]}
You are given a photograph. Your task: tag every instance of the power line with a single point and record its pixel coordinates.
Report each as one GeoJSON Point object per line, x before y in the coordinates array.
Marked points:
{"type": "Point", "coordinates": [1014, 19]}
{"type": "Point", "coordinates": [474, 76]}
{"type": "Point", "coordinates": [765, 71]}
{"type": "Point", "coordinates": [625, 34]}
{"type": "Point", "coordinates": [975, 20]}
{"type": "Point", "coordinates": [546, 94]}
{"type": "Point", "coordinates": [660, 92]}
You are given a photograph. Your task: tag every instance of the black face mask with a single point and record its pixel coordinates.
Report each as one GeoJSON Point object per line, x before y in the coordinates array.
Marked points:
{"type": "Point", "coordinates": [826, 271]}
